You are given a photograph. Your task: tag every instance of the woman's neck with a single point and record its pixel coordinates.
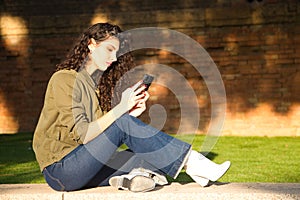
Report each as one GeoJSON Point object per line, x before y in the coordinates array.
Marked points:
{"type": "Point", "coordinates": [90, 67]}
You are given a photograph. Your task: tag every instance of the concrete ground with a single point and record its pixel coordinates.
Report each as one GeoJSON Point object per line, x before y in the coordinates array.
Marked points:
{"type": "Point", "coordinates": [232, 191]}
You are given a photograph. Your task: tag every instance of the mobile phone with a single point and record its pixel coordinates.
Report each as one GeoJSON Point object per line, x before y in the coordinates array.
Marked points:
{"type": "Point", "coordinates": [147, 80]}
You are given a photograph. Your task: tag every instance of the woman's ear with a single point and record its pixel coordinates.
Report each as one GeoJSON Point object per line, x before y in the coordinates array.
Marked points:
{"type": "Point", "coordinates": [92, 44]}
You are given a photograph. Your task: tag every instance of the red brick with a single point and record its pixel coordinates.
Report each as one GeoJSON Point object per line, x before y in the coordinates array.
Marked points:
{"type": "Point", "coordinates": [258, 56]}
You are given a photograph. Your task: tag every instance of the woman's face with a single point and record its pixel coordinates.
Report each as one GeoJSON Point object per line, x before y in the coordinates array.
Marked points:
{"type": "Point", "coordinates": [105, 53]}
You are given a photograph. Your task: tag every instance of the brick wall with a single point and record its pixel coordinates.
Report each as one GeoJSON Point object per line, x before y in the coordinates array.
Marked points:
{"type": "Point", "coordinates": [255, 45]}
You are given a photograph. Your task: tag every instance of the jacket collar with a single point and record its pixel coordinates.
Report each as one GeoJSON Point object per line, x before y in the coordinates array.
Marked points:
{"type": "Point", "coordinates": [93, 79]}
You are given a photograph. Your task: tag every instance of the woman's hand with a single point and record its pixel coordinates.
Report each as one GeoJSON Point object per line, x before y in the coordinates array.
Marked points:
{"type": "Point", "coordinates": [132, 96]}
{"type": "Point", "coordinates": [140, 107]}
{"type": "Point", "coordinates": [133, 100]}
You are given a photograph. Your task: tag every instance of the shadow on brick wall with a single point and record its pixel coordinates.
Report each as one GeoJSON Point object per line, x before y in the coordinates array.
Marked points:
{"type": "Point", "coordinates": [255, 49]}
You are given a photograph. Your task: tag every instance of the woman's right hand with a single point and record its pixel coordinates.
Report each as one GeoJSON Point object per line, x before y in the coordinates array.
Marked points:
{"type": "Point", "coordinates": [131, 96]}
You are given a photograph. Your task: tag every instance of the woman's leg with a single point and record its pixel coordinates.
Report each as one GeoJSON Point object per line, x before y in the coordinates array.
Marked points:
{"type": "Point", "coordinates": [122, 162]}
{"type": "Point", "coordinates": [155, 147]}
{"type": "Point", "coordinates": [83, 164]}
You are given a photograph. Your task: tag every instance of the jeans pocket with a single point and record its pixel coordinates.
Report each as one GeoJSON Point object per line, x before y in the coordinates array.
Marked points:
{"type": "Point", "coordinates": [53, 182]}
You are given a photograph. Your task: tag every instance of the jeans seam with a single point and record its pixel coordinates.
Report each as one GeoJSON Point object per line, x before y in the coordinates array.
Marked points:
{"type": "Point", "coordinates": [55, 179]}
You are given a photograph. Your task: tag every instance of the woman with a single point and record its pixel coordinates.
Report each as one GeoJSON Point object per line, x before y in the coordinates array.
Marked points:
{"type": "Point", "coordinates": [79, 131]}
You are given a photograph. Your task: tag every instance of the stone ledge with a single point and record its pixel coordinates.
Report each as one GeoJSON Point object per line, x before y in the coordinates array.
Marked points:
{"type": "Point", "coordinates": [232, 191]}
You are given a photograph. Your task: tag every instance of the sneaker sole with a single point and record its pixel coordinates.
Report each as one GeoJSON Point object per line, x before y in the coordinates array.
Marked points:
{"type": "Point", "coordinates": [136, 184]}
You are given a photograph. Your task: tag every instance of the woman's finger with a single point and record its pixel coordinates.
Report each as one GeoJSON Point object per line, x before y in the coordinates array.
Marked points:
{"type": "Point", "coordinates": [139, 90]}
{"type": "Point", "coordinates": [135, 86]}
{"type": "Point", "coordinates": [145, 95]}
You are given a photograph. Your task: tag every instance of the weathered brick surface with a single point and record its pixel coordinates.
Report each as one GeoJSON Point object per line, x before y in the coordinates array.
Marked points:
{"type": "Point", "coordinates": [256, 47]}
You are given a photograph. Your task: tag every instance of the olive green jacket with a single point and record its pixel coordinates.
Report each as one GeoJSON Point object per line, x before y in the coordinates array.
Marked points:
{"type": "Point", "coordinates": [70, 104]}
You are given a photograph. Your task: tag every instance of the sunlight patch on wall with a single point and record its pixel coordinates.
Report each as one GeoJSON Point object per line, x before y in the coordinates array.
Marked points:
{"type": "Point", "coordinates": [8, 123]}
{"type": "Point", "coordinates": [263, 121]}
{"type": "Point", "coordinates": [14, 34]}
{"type": "Point", "coordinates": [232, 44]}
{"type": "Point", "coordinates": [257, 15]}
{"type": "Point", "coordinates": [102, 16]}
{"type": "Point", "coordinates": [13, 31]}
{"type": "Point", "coordinates": [99, 17]}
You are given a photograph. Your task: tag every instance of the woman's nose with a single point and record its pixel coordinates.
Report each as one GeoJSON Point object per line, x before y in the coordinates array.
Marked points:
{"type": "Point", "coordinates": [113, 57]}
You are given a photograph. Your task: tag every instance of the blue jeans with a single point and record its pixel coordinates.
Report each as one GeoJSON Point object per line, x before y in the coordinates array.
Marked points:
{"type": "Point", "coordinates": [92, 164]}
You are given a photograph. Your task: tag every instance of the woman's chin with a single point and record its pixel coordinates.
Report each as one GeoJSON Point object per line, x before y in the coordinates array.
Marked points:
{"type": "Point", "coordinates": [102, 68]}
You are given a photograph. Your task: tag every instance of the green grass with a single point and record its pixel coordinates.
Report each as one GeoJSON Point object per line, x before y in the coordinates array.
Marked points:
{"type": "Point", "coordinates": [17, 160]}
{"type": "Point", "coordinates": [254, 159]}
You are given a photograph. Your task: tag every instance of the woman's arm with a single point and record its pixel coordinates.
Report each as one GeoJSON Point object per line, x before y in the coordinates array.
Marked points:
{"type": "Point", "coordinates": [130, 98]}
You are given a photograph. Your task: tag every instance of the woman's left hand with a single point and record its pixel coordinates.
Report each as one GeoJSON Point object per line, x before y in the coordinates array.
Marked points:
{"type": "Point", "coordinates": [140, 107]}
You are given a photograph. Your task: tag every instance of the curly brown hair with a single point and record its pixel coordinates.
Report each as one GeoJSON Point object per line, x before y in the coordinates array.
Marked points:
{"type": "Point", "coordinates": [109, 85]}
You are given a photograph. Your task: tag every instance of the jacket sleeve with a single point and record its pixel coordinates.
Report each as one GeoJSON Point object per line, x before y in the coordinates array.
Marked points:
{"type": "Point", "coordinates": [72, 115]}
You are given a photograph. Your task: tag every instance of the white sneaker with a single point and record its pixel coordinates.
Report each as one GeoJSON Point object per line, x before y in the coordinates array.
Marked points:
{"type": "Point", "coordinates": [138, 180]}
{"type": "Point", "coordinates": [158, 178]}
{"type": "Point", "coordinates": [134, 183]}
{"type": "Point", "coordinates": [199, 165]}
